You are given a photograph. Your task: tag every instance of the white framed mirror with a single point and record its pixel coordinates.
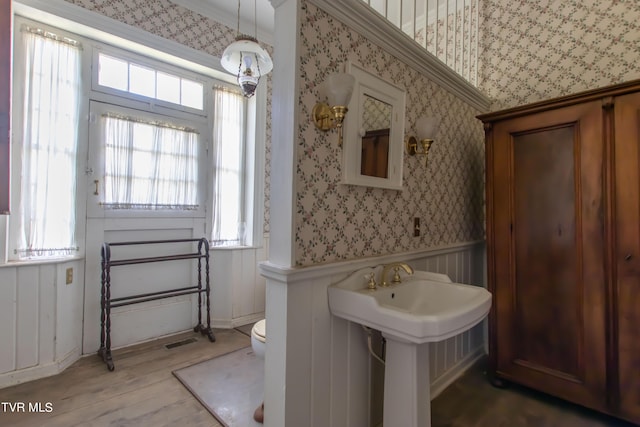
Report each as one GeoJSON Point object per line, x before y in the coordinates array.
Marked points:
{"type": "Point", "coordinates": [373, 132]}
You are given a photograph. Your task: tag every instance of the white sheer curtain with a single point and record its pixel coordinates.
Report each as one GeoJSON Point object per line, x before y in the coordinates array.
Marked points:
{"type": "Point", "coordinates": [229, 165]}
{"type": "Point", "coordinates": [47, 198]}
{"type": "Point", "coordinates": [149, 165]}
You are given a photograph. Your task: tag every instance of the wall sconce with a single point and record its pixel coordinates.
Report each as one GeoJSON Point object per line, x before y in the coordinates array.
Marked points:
{"type": "Point", "coordinates": [336, 90]}
{"type": "Point", "coordinates": [426, 127]}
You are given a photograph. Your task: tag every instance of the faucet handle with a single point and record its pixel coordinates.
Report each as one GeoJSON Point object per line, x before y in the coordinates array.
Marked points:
{"type": "Point", "coordinates": [396, 266]}
{"type": "Point", "coordinates": [371, 277]}
{"type": "Point", "coordinates": [396, 275]}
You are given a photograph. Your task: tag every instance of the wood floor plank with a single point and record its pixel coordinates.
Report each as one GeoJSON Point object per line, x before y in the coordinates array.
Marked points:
{"type": "Point", "coordinates": [471, 401]}
{"type": "Point", "coordinates": [141, 391]}
{"type": "Point", "coordinates": [156, 404]}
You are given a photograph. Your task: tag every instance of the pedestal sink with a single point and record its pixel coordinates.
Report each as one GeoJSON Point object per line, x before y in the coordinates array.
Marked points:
{"type": "Point", "coordinates": [426, 307]}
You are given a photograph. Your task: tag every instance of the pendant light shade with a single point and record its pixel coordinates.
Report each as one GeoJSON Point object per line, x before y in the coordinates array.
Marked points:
{"type": "Point", "coordinates": [247, 60]}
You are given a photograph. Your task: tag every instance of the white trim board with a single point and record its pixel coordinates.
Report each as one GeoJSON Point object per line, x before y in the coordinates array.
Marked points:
{"type": "Point", "coordinates": [290, 275]}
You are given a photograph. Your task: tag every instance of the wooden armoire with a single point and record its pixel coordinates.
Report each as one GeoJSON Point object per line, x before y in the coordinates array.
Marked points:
{"type": "Point", "coordinates": [563, 247]}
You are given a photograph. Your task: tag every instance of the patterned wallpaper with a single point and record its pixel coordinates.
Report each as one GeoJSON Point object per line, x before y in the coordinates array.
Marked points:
{"type": "Point", "coordinates": [166, 19]}
{"type": "Point", "coordinates": [536, 50]}
{"type": "Point", "coordinates": [376, 114]}
{"type": "Point", "coordinates": [338, 222]}
{"type": "Point", "coordinates": [529, 51]}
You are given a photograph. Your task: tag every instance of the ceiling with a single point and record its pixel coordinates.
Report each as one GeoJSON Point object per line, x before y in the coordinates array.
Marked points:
{"type": "Point", "coordinates": [226, 12]}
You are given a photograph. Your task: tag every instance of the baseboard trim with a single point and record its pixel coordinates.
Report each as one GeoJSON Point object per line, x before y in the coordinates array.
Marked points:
{"type": "Point", "coordinates": [456, 371]}
{"type": "Point", "coordinates": [20, 376]}
{"type": "Point", "coordinates": [236, 321]}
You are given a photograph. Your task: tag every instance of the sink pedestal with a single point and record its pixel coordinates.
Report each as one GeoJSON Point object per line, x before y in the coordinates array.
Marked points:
{"type": "Point", "coordinates": [407, 389]}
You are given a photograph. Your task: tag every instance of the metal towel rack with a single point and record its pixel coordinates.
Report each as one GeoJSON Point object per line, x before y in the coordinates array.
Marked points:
{"type": "Point", "coordinates": [107, 303]}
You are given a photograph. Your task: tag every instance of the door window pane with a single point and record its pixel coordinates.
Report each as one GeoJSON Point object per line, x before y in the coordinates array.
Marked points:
{"type": "Point", "coordinates": [149, 165]}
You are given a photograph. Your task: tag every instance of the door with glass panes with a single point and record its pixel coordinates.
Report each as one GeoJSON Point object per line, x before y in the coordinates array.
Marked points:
{"type": "Point", "coordinates": [144, 172]}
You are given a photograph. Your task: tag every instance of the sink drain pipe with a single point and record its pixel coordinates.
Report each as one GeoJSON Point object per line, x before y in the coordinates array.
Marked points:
{"type": "Point", "coordinates": [369, 332]}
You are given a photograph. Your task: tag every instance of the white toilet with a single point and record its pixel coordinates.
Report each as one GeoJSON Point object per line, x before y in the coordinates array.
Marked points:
{"type": "Point", "coordinates": [258, 340]}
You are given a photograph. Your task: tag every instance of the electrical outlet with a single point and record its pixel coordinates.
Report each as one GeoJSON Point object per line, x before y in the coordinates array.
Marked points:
{"type": "Point", "coordinates": [416, 227]}
{"type": "Point", "coordinates": [69, 275]}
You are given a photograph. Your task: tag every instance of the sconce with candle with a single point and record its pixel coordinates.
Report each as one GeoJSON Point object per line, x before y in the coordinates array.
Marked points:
{"type": "Point", "coordinates": [336, 91]}
{"type": "Point", "coordinates": [426, 127]}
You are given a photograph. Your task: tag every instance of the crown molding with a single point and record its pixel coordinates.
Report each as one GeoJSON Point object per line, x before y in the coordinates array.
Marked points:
{"type": "Point", "coordinates": [358, 16]}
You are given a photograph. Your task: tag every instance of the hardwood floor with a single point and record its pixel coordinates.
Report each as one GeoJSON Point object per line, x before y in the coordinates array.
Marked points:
{"type": "Point", "coordinates": [142, 390]}
{"type": "Point", "coordinates": [472, 401]}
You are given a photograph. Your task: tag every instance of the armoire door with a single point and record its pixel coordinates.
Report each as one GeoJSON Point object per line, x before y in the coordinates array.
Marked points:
{"type": "Point", "coordinates": [545, 245]}
{"type": "Point", "coordinates": [626, 300]}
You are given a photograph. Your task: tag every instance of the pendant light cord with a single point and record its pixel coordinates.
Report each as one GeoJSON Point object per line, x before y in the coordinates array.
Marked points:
{"type": "Point", "coordinates": [255, 30]}
{"type": "Point", "coordinates": [238, 28]}
{"type": "Point", "coordinates": [255, 19]}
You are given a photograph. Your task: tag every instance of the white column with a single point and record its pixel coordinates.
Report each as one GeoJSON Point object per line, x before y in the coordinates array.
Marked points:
{"type": "Point", "coordinates": [284, 126]}
{"type": "Point", "coordinates": [286, 398]}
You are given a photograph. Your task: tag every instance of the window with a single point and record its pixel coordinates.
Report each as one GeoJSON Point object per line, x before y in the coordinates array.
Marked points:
{"type": "Point", "coordinates": [47, 145]}
{"type": "Point", "coordinates": [160, 142]}
{"type": "Point", "coordinates": [148, 156]}
{"type": "Point", "coordinates": [138, 79]}
{"type": "Point", "coordinates": [139, 175]}
{"type": "Point", "coordinates": [229, 225]}
{"type": "Point", "coordinates": [149, 165]}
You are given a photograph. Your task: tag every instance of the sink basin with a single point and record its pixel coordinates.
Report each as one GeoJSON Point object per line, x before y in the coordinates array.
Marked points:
{"type": "Point", "coordinates": [425, 307]}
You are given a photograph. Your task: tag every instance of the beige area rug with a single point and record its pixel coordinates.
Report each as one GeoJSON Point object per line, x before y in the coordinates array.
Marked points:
{"type": "Point", "coordinates": [230, 386]}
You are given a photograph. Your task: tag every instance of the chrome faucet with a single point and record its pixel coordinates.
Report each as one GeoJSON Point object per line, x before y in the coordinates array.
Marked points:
{"type": "Point", "coordinates": [396, 266]}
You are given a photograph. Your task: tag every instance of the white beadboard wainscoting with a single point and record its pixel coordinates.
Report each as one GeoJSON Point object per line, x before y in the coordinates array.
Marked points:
{"type": "Point", "coordinates": [238, 289]}
{"type": "Point", "coordinates": [40, 318]}
{"type": "Point", "coordinates": [317, 366]}
{"type": "Point", "coordinates": [43, 318]}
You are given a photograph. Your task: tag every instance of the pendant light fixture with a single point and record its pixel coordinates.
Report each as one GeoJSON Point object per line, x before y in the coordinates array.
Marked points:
{"type": "Point", "coordinates": [245, 59]}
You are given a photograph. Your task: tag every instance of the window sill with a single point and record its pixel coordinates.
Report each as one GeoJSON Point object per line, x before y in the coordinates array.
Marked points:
{"type": "Point", "coordinates": [233, 248]}
{"type": "Point", "coordinates": [31, 262]}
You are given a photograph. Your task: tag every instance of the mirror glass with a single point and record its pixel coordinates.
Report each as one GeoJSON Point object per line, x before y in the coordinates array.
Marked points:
{"type": "Point", "coordinates": [376, 125]}
{"type": "Point", "coordinates": [373, 132]}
